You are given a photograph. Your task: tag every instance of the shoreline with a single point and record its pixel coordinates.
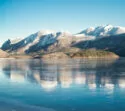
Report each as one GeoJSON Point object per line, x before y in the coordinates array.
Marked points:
{"type": "Point", "coordinates": [83, 54]}
{"type": "Point", "coordinates": [62, 58]}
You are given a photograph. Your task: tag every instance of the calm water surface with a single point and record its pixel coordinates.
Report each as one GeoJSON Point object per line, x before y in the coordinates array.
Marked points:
{"type": "Point", "coordinates": [62, 85]}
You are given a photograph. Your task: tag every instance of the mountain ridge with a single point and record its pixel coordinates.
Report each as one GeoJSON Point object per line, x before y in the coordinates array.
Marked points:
{"type": "Point", "coordinates": [52, 41]}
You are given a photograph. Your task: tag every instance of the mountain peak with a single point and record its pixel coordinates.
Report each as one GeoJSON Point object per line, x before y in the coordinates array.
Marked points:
{"type": "Point", "coordinates": [45, 32]}
{"type": "Point", "coordinates": [108, 27]}
{"type": "Point", "coordinates": [101, 31]}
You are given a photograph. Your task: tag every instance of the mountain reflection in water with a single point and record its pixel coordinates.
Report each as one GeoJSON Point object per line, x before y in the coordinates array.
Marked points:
{"type": "Point", "coordinates": [66, 73]}
{"type": "Point", "coordinates": [62, 85]}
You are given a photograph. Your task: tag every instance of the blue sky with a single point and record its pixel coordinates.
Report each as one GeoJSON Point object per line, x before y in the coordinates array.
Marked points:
{"type": "Point", "coordinates": [19, 18]}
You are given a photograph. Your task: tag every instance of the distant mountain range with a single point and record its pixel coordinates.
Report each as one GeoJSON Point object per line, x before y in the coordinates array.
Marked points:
{"type": "Point", "coordinates": [107, 37]}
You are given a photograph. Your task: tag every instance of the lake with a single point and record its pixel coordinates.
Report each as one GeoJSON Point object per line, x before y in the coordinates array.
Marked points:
{"type": "Point", "coordinates": [62, 85]}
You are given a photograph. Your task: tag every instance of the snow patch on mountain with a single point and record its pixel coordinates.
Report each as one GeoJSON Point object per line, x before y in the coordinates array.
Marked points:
{"type": "Point", "coordinates": [16, 40]}
{"type": "Point", "coordinates": [102, 31]}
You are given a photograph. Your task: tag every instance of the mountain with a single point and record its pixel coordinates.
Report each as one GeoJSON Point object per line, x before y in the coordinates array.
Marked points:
{"type": "Point", "coordinates": [34, 42]}
{"type": "Point", "coordinates": [114, 44]}
{"type": "Point", "coordinates": [46, 40]}
{"type": "Point", "coordinates": [52, 41]}
{"type": "Point", "coordinates": [102, 31]}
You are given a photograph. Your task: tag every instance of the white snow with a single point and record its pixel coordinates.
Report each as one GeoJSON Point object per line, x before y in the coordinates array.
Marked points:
{"type": "Point", "coordinates": [46, 32]}
{"type": "Point", "coordinates": [16, 40]}
{"type": "Point", "coordinates": [100, 31]}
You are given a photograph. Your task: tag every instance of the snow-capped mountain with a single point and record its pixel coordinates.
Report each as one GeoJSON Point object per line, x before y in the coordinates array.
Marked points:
{"type": "Point", "coordinates": [49, 40]}
{"type": "Point", "coordinates": [102, 31]}
{"type": "Point", "coordinates": [38, 41]}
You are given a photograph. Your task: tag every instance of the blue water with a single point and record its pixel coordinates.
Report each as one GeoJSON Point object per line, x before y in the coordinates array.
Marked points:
{"type": "Point", "coordinates": [62, 85]}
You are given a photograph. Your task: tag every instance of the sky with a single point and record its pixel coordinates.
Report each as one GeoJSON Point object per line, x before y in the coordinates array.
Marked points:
{"type": "Point", "coordinates": [20, 18]}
